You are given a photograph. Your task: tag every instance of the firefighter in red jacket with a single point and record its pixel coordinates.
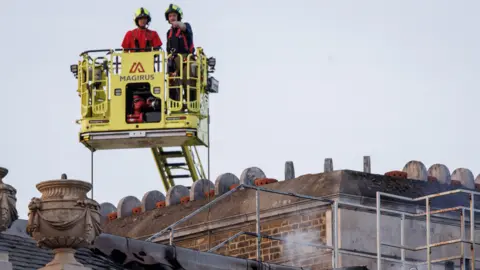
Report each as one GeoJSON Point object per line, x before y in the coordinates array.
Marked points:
{"type": "Point", "coordinates": [179, 41]}
{"type": "Point", "coordinates": [141, 37]}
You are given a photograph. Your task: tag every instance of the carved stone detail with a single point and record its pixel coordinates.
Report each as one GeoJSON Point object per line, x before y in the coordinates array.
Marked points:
{"type": "Point", "coordinates": [8, 202]}
{"type": "Point", "coordinates": [64, 219]}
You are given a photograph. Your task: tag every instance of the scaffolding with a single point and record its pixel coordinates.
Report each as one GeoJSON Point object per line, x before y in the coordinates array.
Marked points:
{"type": "Point", "coordinates": [428, 214]}
{"type": "Point", "coordinates": [335, 205]}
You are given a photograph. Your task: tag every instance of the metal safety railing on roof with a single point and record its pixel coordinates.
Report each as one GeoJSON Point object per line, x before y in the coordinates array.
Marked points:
{"type": "Point", "coordinates": [334, 204]}
{"type": "Point", "coordinates": [428, 213]}
{"type": "Point", "coordinates": [328, 202]}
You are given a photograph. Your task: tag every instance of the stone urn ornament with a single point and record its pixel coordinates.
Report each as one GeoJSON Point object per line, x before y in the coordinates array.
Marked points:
{"type": "Point", "coordinates": [8, 202]}
{"type": "Point", "coordinates": [64, 219]}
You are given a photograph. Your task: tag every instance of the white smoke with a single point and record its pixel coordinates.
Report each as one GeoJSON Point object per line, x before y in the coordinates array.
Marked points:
{"type": "Point", "coordinates": [296, 254]}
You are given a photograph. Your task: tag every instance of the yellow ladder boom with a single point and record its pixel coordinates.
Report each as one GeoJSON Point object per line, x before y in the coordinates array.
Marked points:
{"type": "Point", "coordinates": [172, 162]}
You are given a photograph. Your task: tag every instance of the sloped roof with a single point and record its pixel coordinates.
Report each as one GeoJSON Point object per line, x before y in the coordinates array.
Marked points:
{"type": "Point", "coordinates": [238, 203]}
{"type": "Point", "coordinates": [329, 184]}
{"type": "Point", "coordinates": [25, 255]}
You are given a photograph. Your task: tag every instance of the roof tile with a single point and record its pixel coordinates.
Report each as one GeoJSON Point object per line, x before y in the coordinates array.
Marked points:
{"type": "Point", "coordinates": [25, 255]}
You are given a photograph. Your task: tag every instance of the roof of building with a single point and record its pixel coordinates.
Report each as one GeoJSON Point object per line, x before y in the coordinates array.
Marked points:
{"type": "Point", "coordinates": [345, 182]}
{"type": "Point", "coordinates": [111, 250]}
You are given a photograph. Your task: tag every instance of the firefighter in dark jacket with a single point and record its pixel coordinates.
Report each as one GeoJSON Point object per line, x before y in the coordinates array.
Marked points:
{"type": "Point", "coordinates": [179, 42]}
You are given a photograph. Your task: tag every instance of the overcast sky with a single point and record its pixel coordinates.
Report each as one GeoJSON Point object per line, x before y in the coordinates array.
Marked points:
{"type": "Point", "coordinates": [299, 80]}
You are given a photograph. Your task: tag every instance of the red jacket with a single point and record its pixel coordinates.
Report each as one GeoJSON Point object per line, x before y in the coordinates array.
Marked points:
{"type": "Point", "coordinates": [138, 38]}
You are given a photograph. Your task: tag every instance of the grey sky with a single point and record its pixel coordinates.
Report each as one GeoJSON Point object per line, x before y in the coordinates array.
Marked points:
{"type": "Point", "coordinates": [299, 80]}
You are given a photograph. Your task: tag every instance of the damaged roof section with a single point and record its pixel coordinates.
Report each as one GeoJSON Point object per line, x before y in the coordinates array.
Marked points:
{"type": "Point", "coordinates": [137, 254]}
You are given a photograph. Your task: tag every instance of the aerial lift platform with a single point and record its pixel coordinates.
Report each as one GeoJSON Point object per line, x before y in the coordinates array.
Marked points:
{"type": "Point", "coordinates": [131, 99]}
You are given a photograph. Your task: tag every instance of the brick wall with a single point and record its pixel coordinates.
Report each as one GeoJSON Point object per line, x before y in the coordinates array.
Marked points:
{"type": "Point", "coordinates": [306, 226]}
